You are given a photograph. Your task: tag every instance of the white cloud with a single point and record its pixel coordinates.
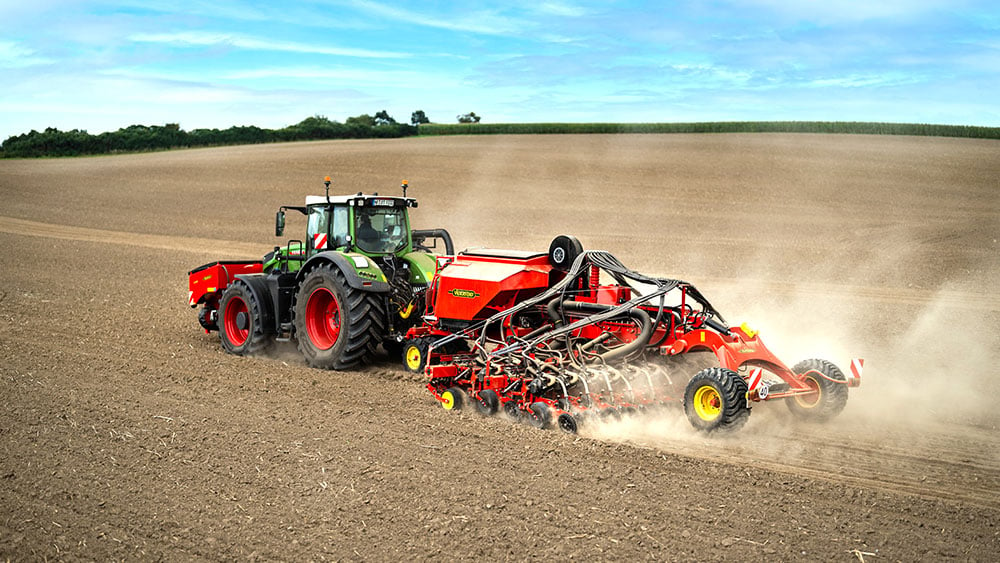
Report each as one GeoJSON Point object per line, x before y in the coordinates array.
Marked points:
{"type": "Point", "coordinates": [848, 11]}
{"type": "Point", "coordinates": [481, 22]}
{"type": "Point", "coordinates": [398, 79]}
{"type": "Point", "coordinates": [562, 9]}
{"type": "Point", "coordinates": [207, 38]}
{"type": "Point", "coordinates": [14, 55]}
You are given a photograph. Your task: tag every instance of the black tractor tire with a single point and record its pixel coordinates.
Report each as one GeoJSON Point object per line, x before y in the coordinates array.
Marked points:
{"type": "Point", "coordinates": [563, 251]}
{"type": "Point", "coordinates": [487, 402]}
{"type": "Point", "coordinates": [241, 327]}
{"type": "Point", "coordinates": [831, 398]}
{"type": "Point", "coordinates": [539, 415]}
{"type": "Point", "coordinates": [336, 326]}
{"type": "Point", "coordinates": [716, 400]}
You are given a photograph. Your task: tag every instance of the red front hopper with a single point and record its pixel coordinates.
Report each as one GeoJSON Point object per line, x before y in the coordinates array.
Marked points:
{"type": "Point", "coordinates": [482, 282]}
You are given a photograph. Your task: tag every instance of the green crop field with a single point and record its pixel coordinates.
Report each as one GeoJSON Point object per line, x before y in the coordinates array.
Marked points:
{"type": "Point", "coordinates": [843, 127]}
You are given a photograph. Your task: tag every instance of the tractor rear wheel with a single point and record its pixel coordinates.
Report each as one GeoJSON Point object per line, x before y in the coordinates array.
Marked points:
{"type": "Point", "coordinates": [828, 397]}
{"type": "Point", "coordinates": [241, 322]}
{"type": "Point", "coordinates": [336, 325]}
{"type": "Point", "coordinates": [716, 399]}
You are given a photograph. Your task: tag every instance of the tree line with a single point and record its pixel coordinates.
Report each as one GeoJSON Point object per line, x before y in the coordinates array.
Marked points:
{"type": "Point", "coordinates": [135, 138]}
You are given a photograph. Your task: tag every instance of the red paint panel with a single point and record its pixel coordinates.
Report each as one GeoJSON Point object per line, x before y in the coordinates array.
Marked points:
{"type": "Point", "coordinates": [215, 277]}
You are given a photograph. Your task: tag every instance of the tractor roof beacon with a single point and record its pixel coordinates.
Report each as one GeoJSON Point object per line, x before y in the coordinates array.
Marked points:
{"type": "Point", "coordinates": [355, 281]}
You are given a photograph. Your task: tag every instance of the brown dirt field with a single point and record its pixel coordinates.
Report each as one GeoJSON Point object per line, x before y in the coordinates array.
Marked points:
{"type": "Point", "coordinates": [126, 432]}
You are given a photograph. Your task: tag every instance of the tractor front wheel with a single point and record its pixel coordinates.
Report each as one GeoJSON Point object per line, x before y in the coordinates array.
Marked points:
{"type": "Point", "coordinates": [241, 322]}
{"type": "Point", "coordinates": [716, 399]}
{"type": "Point", "coordinates": [828, 394]}
{"type": "Point", "coordinates": [335, 324]}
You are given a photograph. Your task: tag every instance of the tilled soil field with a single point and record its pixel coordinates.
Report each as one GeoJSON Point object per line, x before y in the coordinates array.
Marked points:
{"type": "Point", "coordinates": [126, 432]}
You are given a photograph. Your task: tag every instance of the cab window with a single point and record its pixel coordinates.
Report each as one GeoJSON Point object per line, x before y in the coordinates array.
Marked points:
{"type": "Point", "coordinates": [340, 230]}
{"type": "Point", "coordinates": [380, 229]}
{"type": "Point", "coordinates": [318, 229]}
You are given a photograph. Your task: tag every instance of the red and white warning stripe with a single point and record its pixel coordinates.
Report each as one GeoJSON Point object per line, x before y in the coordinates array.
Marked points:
{"type": "Point", "coordinates": [319, 241]}
{"type": "Point", "coordinates": [755, 377]}
{"type": "Point", "coordinates": [857, 366]}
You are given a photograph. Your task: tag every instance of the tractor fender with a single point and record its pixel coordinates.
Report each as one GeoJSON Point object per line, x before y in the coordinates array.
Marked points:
{"type": "Point", "coordinates": [422, 267]}
{"type": "Point", "coordinates": [373, 279]}
{"type": "Point", "coordinates": [258, 286]}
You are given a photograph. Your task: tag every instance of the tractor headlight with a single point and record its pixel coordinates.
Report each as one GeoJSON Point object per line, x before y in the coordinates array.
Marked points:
{"type": "Point", "coordinates": [360, 262]}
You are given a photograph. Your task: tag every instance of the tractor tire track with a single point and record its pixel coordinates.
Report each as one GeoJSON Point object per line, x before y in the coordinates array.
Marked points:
{"type": "Point", "coordinates": [219, 248]}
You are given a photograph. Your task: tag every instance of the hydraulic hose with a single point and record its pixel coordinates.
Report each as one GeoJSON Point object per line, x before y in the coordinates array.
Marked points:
{"type": "Point", "coordinates": [636, 314]}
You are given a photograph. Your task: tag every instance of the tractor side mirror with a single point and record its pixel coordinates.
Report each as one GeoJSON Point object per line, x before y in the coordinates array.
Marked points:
{"type": "Point", "coordinates": [279, 223]}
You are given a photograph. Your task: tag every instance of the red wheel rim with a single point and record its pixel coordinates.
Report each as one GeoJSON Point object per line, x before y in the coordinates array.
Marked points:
{"type": "Point", "coordinates": [234, 333]}
{"type": "Point", "coordinates": [811, 399]}
{"type": "Point", "coordinates": [323, 318]}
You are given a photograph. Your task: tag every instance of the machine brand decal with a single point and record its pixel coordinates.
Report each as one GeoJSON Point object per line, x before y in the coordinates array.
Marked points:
{"type": "Point", "coordinates": [319, 240]}
{"type": "Point", "coordinates": [747, 350]}
{"type": "Point", "coordinates": [383, 202]}
{"type": "Point", "coordinates": [464, 293]}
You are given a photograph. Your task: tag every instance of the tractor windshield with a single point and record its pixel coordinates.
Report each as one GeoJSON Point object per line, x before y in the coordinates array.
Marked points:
{"type": "Point", "coordinates": [380, 230]}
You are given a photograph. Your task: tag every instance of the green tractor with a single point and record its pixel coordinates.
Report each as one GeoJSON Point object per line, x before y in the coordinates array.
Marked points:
{"type": "Point", "coordinates": [356, 281]}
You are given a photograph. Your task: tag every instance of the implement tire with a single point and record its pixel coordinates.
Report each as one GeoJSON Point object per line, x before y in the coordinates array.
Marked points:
{"type": "Point", "coordinates": [241, 326]}
{"type": "Point", "coordinates": [487, 402]}
{"type": "Point", "coordinates": [716, 400]}
{"type": "Point", "coordinates": [539, 415]}
{"type": "Point", "coordinates": [829, 397]}
{"type": "Point", "coordinates": [563, 251]}
{"type": "Point", "coordinates": [415, 354]}
{"type": "Point", "coordinates": [336, 326]}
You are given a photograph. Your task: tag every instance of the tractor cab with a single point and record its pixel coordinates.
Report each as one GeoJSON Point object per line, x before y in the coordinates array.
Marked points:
{"type": "Point", "coordinates": [371, 225]}
{"type": "Point", "coordinates": [364, 224]}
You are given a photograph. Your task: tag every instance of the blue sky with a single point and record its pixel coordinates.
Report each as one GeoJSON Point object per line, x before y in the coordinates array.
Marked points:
{"type": "Point", "coordinates": [100, 65]}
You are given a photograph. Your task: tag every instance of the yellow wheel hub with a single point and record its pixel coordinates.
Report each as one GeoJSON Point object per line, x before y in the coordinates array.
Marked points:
{"type": "Point", "coordinates": [447, 400]}
{"type": "Point", "coordinates": [707, 403]}
{"type": "Point", "coordinates": [413, 358]}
